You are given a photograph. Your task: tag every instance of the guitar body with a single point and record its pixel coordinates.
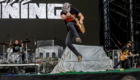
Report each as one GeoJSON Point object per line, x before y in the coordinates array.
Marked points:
{"type": "Point", "coordinates": [80, 26]}
{"type": "Point", "coordinates": [125, 55]}
{"type": "Point", "coordinates": [123, 58]}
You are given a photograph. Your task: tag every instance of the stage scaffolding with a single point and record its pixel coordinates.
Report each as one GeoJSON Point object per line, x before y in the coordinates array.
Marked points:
{"type": "Point", "coordinates": [106, 25]}
{"type": "Point", "coordinates": [107, 21]}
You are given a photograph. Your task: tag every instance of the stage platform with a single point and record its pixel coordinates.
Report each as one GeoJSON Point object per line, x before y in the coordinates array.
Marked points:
{"type": "Point", "coordinates": [128, 74]}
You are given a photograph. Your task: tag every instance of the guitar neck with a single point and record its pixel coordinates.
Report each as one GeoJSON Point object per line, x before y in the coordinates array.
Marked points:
{"type": "Point", "coordinates": [131, 56]}
{"type": "Point", "coordinates": [70, 15]}
{"type": "Point", "coordinates": [73, 17]}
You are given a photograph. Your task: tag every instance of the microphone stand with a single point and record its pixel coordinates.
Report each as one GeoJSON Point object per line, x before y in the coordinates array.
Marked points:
{"type": "Point", "coordinates": [4, 48]}
{"type": "Point", "coordinates": [5, 38]}
{"type": "Point", "coordinates": [34, 53]}
{"type": "Point", "coordinates": [34, 45]}
{"type": "Point", "coordinates": [30, 48]}
{"type": "Point", "coordinates": [34, 42]}
{"type": "Point", "coordinates": [115, 43]}
{"type": "Point", "coordinates": [27, 54]}
{"type": "Point", "coordinates": [31, 42]}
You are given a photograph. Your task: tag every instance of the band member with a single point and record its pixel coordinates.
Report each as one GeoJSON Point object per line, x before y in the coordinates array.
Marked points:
{"type": "Point", "coordinates": [15, 56]}
{"type": "Point", "coordinates": [17, 46]}
{"type": "Point", "coordinates": [125, 50]}
{"type": "Point", "coordinates": [72, 29]}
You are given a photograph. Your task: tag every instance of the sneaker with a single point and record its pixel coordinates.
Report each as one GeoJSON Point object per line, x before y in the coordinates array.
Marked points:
{"type": "Point", "coordinates": [78, 40]}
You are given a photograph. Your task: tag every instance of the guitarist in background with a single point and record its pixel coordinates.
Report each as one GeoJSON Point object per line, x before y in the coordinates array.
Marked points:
{"type": "Point", "coordinates": [125, 50]}
{"type": "Point", "coordinates": [71, 26]}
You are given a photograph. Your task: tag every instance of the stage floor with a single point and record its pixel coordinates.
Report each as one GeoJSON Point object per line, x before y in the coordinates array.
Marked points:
{"type": "Point", "coordinates": [101, 75]}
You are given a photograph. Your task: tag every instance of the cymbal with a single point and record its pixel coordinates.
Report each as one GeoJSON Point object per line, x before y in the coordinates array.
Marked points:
{"type": "Point", "coordinates": [11, 46]}
{"type": "Point", "coordinates": [30, 50]}
{"type": "Point", "coordinates": [26, 41]}
{"type": "Point", "coordinates": [3, 43]}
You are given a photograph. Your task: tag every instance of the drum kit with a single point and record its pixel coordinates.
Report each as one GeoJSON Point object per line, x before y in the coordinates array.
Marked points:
{"type": "Point", "coordinates": [9, 50]}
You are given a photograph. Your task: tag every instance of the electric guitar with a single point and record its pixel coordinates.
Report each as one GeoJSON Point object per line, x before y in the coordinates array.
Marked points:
{"type": "Point", "coordinates": [80, 26]}
{"type": "Point", "coordinates": [125, 56]}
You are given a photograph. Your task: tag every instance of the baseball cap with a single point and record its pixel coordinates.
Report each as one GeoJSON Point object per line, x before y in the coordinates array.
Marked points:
{"type": "Point", "coordinates": [129, 42]}
{"type": "Point", "coordinates": [66, 7]}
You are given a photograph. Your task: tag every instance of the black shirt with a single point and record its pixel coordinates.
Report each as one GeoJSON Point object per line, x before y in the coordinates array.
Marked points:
{"type": "Point", "coordinates": [16, 48]}
{"type": "Point", "coordinates": [125, 49]}
{"type": "Point", "coordinates": [75, 13]}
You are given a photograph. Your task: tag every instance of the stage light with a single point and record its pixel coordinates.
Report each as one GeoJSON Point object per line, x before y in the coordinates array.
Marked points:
{"type": "Point", "coordinates": [37, 62]}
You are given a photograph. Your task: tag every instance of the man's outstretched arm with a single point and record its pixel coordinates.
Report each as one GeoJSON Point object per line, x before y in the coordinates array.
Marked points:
{"type": "Point", "coordinates": [81, 18]}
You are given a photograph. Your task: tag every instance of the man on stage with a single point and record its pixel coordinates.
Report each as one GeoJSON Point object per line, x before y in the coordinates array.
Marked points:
{"type": "Point", "coordinates": [72, 29]}
{"type": "Point", "coordinates": [125, 50]}
{"type": "Point", "coordinates": [15, 56]}
{"type": "Point", "coordinates": [17, 46]}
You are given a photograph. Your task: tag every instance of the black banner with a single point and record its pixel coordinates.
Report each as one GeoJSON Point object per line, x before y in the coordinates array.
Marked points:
{"type": "Point", "coordinates": [22, 19]}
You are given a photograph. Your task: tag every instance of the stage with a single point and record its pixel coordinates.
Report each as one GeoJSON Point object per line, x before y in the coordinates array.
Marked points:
{"type": "Point", "coordinates": [58, 40]}
{"type": "Point", "coordinates": [131, 74]}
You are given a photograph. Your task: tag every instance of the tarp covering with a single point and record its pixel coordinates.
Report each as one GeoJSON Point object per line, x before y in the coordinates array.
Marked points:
{"type": "Point", "coordinates": [94, 59]}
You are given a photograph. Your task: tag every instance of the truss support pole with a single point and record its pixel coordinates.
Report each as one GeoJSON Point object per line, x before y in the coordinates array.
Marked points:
{"type": "Point", "coordinates": [106, 25]}
{"type": "Point", "coordinates": [132, 24]}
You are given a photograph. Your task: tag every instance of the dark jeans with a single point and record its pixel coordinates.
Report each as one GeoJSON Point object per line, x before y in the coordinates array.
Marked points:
{"type": "Point", "coordinates": [128, 62]}
{"type": "Point", "coordinates": [72, 34]}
